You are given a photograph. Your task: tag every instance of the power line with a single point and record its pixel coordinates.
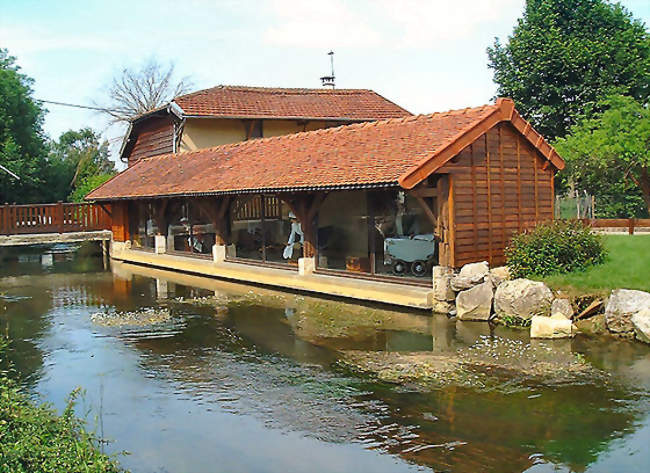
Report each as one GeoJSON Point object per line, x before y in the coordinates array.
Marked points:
{"type": "Point", "coordinates": [87, 107]}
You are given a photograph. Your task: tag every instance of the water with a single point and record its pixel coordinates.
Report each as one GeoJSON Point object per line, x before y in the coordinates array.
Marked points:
{"type": "Point", "coordinates": [232, 378]}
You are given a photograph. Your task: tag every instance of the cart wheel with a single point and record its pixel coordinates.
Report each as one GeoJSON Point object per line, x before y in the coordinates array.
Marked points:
{"type": "Point", "coordinates": [400, 267]}
{"type": "Point", "coordinates": [419, 268]}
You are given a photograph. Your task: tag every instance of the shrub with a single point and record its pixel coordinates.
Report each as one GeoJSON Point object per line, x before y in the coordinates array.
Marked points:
{"type": "Point", "coordinates": [554, 248]}
{"type": "Point", "coordinates": [33, 438]}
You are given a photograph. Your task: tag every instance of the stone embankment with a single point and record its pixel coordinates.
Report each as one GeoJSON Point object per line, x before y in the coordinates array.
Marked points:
{"type": "Point", "coordinates": [479, 293]}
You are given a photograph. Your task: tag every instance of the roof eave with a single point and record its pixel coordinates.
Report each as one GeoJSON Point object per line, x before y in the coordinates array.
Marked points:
{"type": "Point", "coordinates": [265, 190]}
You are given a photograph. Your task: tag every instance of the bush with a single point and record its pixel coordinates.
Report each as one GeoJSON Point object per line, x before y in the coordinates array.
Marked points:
{"type": "Point", "coordinates": [554, 248]}
{"type": "Point", "coordinates": [35, 439]}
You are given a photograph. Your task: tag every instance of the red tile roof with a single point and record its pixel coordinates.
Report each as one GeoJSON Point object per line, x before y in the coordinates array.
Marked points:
{"type": "Point", "coordinates": [400, 151]}
{"type": "Point", "coordinates": [261, 102]}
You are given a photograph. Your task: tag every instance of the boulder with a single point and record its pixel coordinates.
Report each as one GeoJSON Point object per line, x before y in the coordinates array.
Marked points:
{"type": "Point", "coordinates": [475, 303]}
{"type": "Point", "coordinates": [622, 305]}
{"type": "Point", "coordinates": [551, 327]}
{"type": "Point", "coordinates": [641, 322]}
{"type": "Point", "coordinates": [592, 326]}
{"type": "Point", "coordinates": [499, 274]}
{"type": "Point", "coordinates": [470, 275]}
{"type": "Point", "coordinates": [442, 276]}
{"type": "Point", "coordinates": [522, 298]}
{"type": "Point", "coordinates": [562, 306]}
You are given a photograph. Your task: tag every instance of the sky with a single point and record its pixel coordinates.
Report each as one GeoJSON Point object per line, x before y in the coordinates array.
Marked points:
{"type": "Point", "coordinates": [426, 56]}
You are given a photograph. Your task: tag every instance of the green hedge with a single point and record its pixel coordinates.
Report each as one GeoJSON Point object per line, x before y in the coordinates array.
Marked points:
{"type": "Point", "coordinates": [554, 248]}
{"type": "Point", "coordinates": [33, 438]}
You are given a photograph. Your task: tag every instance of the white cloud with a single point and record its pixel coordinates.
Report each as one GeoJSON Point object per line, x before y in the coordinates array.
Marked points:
{"type": "Point", "coordinates": [31, 39]}
{"type": "Point", "coordinates": [386, 23]}
{"type": "Point", "coordinates": [319, 24]}
{"type": "Point", "coordinates": [424, 24]}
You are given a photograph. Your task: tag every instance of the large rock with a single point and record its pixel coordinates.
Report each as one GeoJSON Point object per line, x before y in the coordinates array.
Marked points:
{"type": "Point", "coordinates": [641, 322]}
{"type": "Point", "coordinates": [550, 327]}
{"type": "Point", "coordinates": [622, 305]}
{"type": "Point", "coordinates": [442, 291]}
{"type": "Point", "coordinates": [562, 306]}
{"type": "Point", "coordinates": [475, 303]}
{"type": "Point", "coordinates": [499, 274]}
{"type": "Point", "coordinates": [522, 298]}
{"type": "Point", "coordinates": [470, 275]}
{"type": "Point", "coordinates": [593, 325]}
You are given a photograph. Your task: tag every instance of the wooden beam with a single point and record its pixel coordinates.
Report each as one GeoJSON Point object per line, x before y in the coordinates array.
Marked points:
{"type": "Point", "coordinates": [424, 192]}
{"type": "Point", "coordinates": [427, 210]}
{"type": "Point", "coordinates": [452, 224]}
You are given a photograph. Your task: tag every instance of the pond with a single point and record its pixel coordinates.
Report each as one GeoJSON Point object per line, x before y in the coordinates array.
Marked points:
{"type": "Point", "coordinates": [193, 374]}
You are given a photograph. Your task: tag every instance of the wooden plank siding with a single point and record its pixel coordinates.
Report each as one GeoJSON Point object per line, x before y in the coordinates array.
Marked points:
{"type": "Point", "coordinates": [500, 186]}
{"type": "Point", "coordinates": [120, 221]}
{"type": "Point", "coordinates": [152, 137]}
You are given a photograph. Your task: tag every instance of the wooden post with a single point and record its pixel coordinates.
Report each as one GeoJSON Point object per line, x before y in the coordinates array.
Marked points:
{"type": "Point", "coordinates": [60, 216]}
{"type": "Point", "coordinates": [443, 221]}
{"type": "Point", "coordinates": [216, 211]}
{"type": "Point", "coordinates": [630, 226]}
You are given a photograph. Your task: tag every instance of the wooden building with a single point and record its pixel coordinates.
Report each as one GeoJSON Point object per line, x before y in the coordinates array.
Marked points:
{"type": "Point", "coordinates": [228, 114]}
{"type": "Point", "coordinates": [383, 200]}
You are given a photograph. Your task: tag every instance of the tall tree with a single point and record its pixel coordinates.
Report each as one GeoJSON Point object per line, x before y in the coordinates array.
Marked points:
{"type": "Point", "coordinates": [22, 144]}
{"type": "Point", "coordinates": [613, 146]}
{"type": "Point", "coordinates": [76, 159]}
{"type": "Point", "coordinates": [139, 90]}
{"type": "Point", "coordinates": [566, 55]}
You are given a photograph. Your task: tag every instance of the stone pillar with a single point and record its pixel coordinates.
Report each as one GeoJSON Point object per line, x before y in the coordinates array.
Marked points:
{"type": "Point", "coordinates": [160, 244]}
{"type": "Point", "coordinates": [218, 253]}
{"type": "Point", "coordinates": [443, 295]}
{"type": "Point", "coordinates": [441, 284]}
{"type": "Point", "coordinates": [306, 265]}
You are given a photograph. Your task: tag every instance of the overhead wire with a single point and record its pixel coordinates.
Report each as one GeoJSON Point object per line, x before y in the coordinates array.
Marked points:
{"type": "Point", "coordinates": [72, 105]}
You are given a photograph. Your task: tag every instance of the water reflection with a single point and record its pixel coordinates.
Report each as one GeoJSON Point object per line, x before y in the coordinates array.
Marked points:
{"type": "Point", "coordinates": [247, 379]}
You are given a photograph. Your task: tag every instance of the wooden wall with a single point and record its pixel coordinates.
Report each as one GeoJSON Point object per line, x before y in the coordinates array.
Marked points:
{"type": "Point", "coordinates": [120, 221]}
{"type": "Point", "coordinates": [498, 185]}
{"type": "Point", "coordinates": [152, 137]}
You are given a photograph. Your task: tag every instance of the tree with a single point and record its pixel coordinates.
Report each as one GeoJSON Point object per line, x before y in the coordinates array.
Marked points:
{"type": "Point", "coordinates": [566, 55]}
{"type": "Point", "coordinates": [77, 158]}
{"type": "Point", "coordinates": [87, 184]}
{"type": "Point", "coordinates": [137, 91]}
{"type": "Point", "coordinates": [22, 144]}
{"type": "Point", "coordinates": [611, 147]}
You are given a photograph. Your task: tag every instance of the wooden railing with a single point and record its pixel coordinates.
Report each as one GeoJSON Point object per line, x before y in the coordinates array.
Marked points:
{"type": "Point", "coordinates": [53, 218]}
{"type": "Point", "coordinates": [631, 224]}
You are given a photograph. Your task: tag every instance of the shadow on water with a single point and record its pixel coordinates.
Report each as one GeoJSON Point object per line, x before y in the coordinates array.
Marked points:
{"type": "Point", "coordinates": [249, 379]}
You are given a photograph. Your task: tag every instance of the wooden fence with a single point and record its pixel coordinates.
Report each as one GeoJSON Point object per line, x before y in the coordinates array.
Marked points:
{"type": "Point", "coordinates": [53, 218]}
{"type": "Point", "coordinates": [631, 224]}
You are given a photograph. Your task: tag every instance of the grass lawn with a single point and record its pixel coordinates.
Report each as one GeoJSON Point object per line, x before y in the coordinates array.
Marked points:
{"type": "Point", "coordinates": [627, 267]}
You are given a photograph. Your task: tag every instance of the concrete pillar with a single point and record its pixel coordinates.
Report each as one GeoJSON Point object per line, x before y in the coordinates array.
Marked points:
{"type": "Point", "coordinates": [306, 265]}
{"type": "Point", "coordinates": [162, 289]}
{"type": "Point", "coordinates": [218, 253]}
{"type": "Point", "coordinates": [160, 243]}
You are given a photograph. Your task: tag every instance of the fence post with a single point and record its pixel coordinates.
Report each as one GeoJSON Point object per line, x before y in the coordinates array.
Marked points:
{"type": "Point", "coordinates": [630, 226]}
{"type": "Point", "coordinates": [59, 215]}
